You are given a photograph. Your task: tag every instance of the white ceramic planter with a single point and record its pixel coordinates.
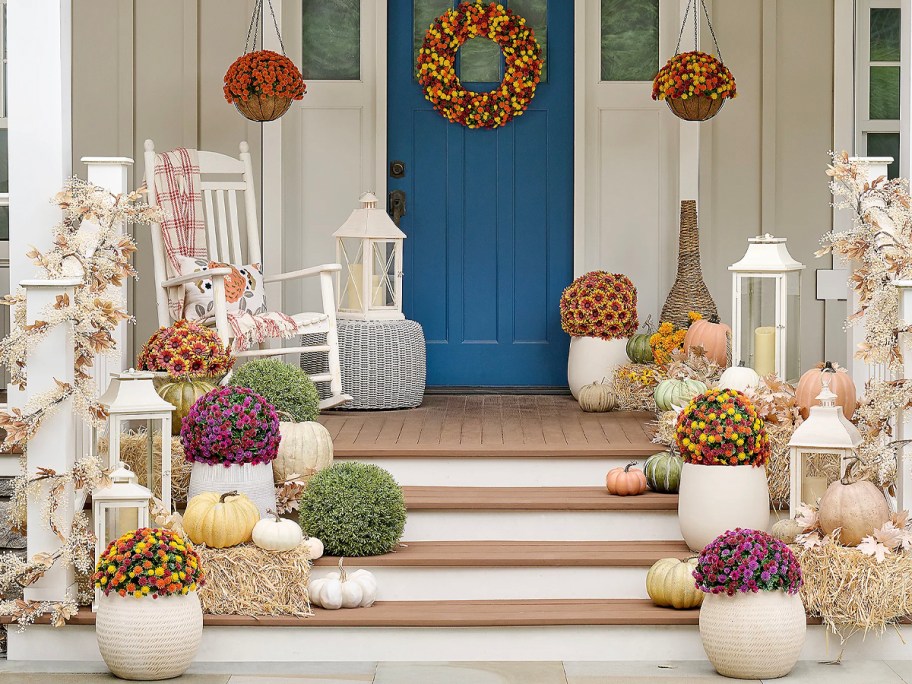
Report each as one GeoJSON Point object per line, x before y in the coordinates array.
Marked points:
{"type": "Point", "coordinates": [145, 638]}
{"type": "Point", "coordinates": [713, 499]}
{"type": "Point", "coordinates": [753, 636]}
{"type": "Point", "coordinates": [253, 480]}
{"type": "Point", "coordinates": [593, 359]}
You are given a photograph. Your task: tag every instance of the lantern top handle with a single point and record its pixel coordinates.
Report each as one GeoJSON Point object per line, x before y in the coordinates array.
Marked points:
{"type": "Point", "coordinates": [827, 397]}
{"type": "Point", "coordinates": [369, 221]}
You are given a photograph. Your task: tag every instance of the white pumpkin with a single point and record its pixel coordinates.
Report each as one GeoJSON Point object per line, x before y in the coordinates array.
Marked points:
{"type": "Point", "coordinates": [275, 533]}
{"type": "Point", "coordinates": [305, 449]}
{"type": "Point", "coordinates": [739, 378]}
{"type": "Point", "coordinates": [314, 547]}
{"type": "Point", "coordinates": [343, 590]}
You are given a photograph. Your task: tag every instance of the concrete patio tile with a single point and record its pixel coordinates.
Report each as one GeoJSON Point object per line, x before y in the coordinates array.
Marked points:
{"type": "Point", "coordinates": [645, 672]}
{"type": "Point", "coordinates": [329, 670]}
{"type": "Point", "coordinates": [97, 678]}
{"type": "Point", "coordinates": [903, 668]}
{"type": "Point", "coordinates": [470, 673]}
{"type": "Point", "coordinates": [847, 672]}
{"type": "Point", "coordinates": [341, 678]}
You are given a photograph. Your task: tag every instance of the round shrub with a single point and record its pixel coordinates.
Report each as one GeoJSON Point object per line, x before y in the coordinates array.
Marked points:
{"type": "Point", "coordinates": [230, 425]}
{"type": "Point", "coordinates": [286, 387]}
{"type": "Point", "coordinates": [355, 509]}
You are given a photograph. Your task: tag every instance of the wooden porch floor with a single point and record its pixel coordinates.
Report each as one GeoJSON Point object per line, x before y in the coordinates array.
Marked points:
{"type": "Point", "coordinates": [485, 425]}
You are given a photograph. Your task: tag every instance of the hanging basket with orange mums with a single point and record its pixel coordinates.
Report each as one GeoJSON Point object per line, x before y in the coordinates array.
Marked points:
{"type": "Point", "coordinates": [262, 84]}
{"type": "Point", "coordinates": [437, 65]}
{"type": "Point", "coordinates": [694, 84]}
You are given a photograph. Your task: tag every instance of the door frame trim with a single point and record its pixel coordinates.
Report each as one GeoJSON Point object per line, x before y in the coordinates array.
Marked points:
{"type": "Point", "coordinates": [579, 137]}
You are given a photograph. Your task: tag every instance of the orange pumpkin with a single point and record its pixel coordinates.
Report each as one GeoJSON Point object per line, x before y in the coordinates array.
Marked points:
{"type": "Point", "coordinates": [627, 481]}
{"type": "Point", "coordinates": [841, 384]}
{"type": "Point", "coordinates": [713, 336]}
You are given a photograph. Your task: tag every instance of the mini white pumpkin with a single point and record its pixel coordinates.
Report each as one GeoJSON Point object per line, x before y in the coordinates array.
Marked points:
{"type": "Point", "coordinates": [314, 547]}
{"type": "Point", "coordinates": [275, 533]}
{"type": "Point", "coordinates": [343, 590]}
{"type": "Point", "coordinates": [739, 378]}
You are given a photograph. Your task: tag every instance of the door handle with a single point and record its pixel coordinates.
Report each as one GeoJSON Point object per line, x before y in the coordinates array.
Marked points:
{"type": "Point", "coordinates": [396, 207]}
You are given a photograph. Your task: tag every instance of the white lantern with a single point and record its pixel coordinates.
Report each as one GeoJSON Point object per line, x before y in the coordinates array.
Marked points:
{"type": "Point", "coordinates": [118, 509]}
{"type": "Point", "coordinates": [369, 247]}
{"type": "Point", "coordinates": [820, 448]}
{"type": "Point", "coordinates": [766, 308]}
{"type": "Point", "coordinates": [132, 396]}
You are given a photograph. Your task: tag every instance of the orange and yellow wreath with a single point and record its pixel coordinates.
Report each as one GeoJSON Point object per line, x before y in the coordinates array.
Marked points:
{"type": "Point", "coordinates": [437, 65]}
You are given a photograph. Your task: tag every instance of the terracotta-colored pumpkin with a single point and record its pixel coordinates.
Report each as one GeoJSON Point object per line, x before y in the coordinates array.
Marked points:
{"type": "Point", "coordinates": [713, 336]}
{"type": "Point", "coordinates": [841, 384]}
{"type": "Point", "coordinates": [670, 582]}
{"type": "Point", "coordinates": [627, 481]}
{"type": "Point", "coordinates": [857, 508]}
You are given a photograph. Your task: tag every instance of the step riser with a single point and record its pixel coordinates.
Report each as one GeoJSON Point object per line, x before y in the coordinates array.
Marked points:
{"type": "Point", "coordinates": [489, 584]}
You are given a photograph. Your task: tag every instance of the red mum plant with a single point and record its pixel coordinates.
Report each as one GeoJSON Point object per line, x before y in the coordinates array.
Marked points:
{"type": "Point", "coordinates": [722, 427]}
{"type": "Point", "coordinates": [263, 72]}
{"type": "Point", "coordinates": [186, 350]}
{"type": "Point", "coordinates": [600, 304]}
{"type": "Point", "coordinates": [742, 561]}
{"type": "Point", "coordinates": [692, 74]}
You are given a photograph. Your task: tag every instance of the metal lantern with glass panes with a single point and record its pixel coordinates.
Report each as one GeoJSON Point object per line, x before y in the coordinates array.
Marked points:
{"type": "Point", "coordinates": [820, 448]}
{"type": "Point", "coordinates": [117, 509]}
{"type": "Point", "coordinates": [131, 396]}
{"type": "Point", "coordinates": [766, 308]}
{"type": "Point", "coordinates": [369, 247]}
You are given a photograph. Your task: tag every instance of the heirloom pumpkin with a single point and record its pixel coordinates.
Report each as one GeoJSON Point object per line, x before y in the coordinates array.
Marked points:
{"type": "Point", "coordinates": [739, 378]}
{"type": "Point", "coordinates": [220, 520]}
{"type": "Point", "coordinates": [670, 582]}
{"type": "Point", "coordinates": [841, 384]}
{"type": "Point", "coordinates": [305, 449]}
{"type": "Point", "coordinates": [182, 394]}
{"type": "Point", "coordinates": [786, 530]}
{"type": "Point", "coordinates": [663, 472]}
{"type": "Point", "coordinates": [638, 348]}
{"type": "Point", "coordinates": [713, 336]}
{"type": "Point", "coordinates": [627, 481]}
{"type": "Point", "coordinates": [673, 392]}
{"type": "Point", "coordinates": [275, 533]}
{"type": "Point", "coordinates": [597, 398]}
{"type": "Point", "coordinates": [857, 508]}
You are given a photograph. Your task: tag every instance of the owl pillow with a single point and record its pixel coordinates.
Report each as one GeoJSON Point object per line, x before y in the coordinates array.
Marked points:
{"type": "Point", "coordinates": [244, 289]}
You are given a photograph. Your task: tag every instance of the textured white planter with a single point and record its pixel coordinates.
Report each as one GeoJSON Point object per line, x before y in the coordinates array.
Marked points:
{"type": "Point", "coordinates": [753, 636]}
{"type": "Point", "coordinates": [253, 480]}
{"type": "Point", "coordinates": [592, 359]}
{"type": "Point", "coordinates": [713, 499]}
{"type": "Point", "coordinates": [145, 638]}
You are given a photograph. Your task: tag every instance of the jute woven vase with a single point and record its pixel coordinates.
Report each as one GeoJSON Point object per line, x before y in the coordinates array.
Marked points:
{"type": "Point", "coordinates": [689, 292]}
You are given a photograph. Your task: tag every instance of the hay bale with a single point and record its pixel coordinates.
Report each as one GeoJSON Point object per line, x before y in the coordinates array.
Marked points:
{"type": "Point", "coordinates": [851, 591]}
{"type": "Point", "coordinates": [777, 468]}
{"type": "Point", "coordinates": [634, 386]}
{"type": "Point", "coordinates": [133, 452]}
{"type": "Point", "coordinates": [248, 580]}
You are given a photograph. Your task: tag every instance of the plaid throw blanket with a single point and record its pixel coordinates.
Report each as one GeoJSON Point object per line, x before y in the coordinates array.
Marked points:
{"type": "Point", "coordinates": [177, 190]}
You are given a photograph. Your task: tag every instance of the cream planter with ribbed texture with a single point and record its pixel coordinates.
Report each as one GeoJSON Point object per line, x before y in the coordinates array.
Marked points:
{"type": "Point", "coordinates": [253, 480]}
{"type": "Point", "coordinates": [592, 359]}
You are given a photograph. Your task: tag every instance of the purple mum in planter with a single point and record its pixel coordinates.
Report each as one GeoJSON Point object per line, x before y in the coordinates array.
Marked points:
{"type": "Point", "coordinates": [231, 425]}
{"type": "Point", "coordinates": [747, 560]}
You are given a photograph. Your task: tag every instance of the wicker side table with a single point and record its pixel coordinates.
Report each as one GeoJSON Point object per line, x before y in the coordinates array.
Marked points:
{"type": "Point", "coordinates": [384, 363]}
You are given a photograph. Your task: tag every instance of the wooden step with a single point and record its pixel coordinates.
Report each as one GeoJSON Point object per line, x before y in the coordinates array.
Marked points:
{"type": "Point", "coordinates": [419, 498]}
{"type": "Point", "coordinates": [545, 554]}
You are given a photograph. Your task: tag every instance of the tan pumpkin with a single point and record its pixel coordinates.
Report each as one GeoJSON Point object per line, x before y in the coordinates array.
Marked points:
{"type": "Point", "coordinates": [305, 449]}
{"type": "Point", "coordinates": [670, 583]}
{"type": "Point", "coordinates": [220, 520]}
{"type": "Point", "coordinates": [182, 394]}
{"type": "Point", "coordinates": [627, 481]}
{"type": "Point", "coordinates": [841, 384]}
{"type": "Point", "coordinates": [597, 398]}
{"type": "Point", "coordinates": [857, 508]}
{"type": "Point", "coordinates": [786, 530]}
{"type": "Point", "coordinates": [713, 336]}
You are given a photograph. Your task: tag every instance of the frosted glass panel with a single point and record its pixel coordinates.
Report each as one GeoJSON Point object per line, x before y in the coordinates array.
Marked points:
{"type": "Point", "coordinates": [480, 60]}
{"type": "Point", "coordinates": [424, 14]}
{"type": "Point", "coordinates": [630, 40]}
{"type": "Point", "coordinates": [331, 40]}
{"type": "Point", "coordinates": [884, 91]}
{"type": "Point", "coordinates": [535, 12]}
{"type": "Point", "coordinates": [885, 37]}
{"type": "Point", "coordinates": [885, 145]}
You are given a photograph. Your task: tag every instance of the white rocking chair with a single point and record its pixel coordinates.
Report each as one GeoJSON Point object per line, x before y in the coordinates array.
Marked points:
{"type": "Point", "coordinates": [223, 244]}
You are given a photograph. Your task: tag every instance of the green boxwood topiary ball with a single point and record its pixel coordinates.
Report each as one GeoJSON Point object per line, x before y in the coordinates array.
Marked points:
{"type": "Point", "coordinates": [355, 509]}
{"type": "Point", "coordinates": [286, 387]}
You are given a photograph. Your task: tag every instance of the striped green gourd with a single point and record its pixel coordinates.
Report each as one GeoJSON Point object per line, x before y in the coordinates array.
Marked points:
{"type": "Point", "coordinates": [663, 472]}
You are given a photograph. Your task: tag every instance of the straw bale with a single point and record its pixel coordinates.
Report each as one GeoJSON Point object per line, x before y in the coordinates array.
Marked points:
{"type": "Point", "coordinates": [133, 452]}
{"type": "Point", "coordinates": [632, 393]}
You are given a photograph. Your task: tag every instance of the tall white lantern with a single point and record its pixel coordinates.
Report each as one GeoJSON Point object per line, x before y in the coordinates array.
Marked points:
{"type": "Point", "coordinates": [369, 247]}
{"type": "Point", "coordinates": [132, 396]}
{"type": "Point", "coordinates": [820, 448]}
{"type": "Point", "coordinates": [766, 308]}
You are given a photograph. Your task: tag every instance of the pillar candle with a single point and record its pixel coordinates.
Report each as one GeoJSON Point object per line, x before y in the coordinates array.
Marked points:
{"type": "Point", "coordinates": [353, 290]}
{"type": "Point", "coordinates": [765, 350]}
{"type": "Point", "coordinates": [812, 488]}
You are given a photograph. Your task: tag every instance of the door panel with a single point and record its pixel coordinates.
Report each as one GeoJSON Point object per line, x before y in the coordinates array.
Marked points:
{"type": "Point", "coordinates": [489, 220]}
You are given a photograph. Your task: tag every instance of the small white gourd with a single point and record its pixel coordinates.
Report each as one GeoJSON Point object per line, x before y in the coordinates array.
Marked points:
{"type": "Point", "coordinates": [314, 547]}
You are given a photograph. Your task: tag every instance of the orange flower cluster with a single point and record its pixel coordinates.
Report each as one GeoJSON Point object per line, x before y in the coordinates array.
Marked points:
{"type": "Point", "coordinates": [722, 427]}
{"type": "Point", "coordinates": [437, 65]}
{"type": "Point", "coordinates": [692, 74]}
{"type": "Point", "coordinates": [600, 304]}
{"type": "Point", "coordinates": [668, 339]}
{"type": "Point", "coordinates": [263, 72]}
{"type": "Point", "coordinates": [186, 350]}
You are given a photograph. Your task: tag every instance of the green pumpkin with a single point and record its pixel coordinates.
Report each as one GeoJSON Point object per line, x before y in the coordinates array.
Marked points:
{"type": "Point", "coordinates": [182, 394]}
{"type": "Point", "coordinates": [638, 348]}
{"type": "Point", "coordinates": [672, 392]}
{"type": "Point", "coordinates": [663, 472]}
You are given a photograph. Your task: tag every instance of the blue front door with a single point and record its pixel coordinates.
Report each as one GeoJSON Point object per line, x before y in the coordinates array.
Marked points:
{"type": "Point", "coordinates": [489, 213]}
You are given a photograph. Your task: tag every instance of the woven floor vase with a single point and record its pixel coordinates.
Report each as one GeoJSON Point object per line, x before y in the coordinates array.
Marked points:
{"type": "Point", "coordinates": [753, 636]}
{"type": "Point", "coordinates": [689, 292]}
{"type": "Point", "coordinates": [593, 359]}
{"type": "Point", "coordinates": [142, 638]}
{"type": "Point", "coordinates": [253, 480]}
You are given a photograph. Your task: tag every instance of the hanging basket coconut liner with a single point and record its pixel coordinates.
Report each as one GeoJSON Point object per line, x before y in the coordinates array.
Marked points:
{"type": "Point", "coordinates": [852, 592]}
{"type": "Point", "coordinates": [133, 453]}
{"type": "Point", "coordinates": [248, 580]}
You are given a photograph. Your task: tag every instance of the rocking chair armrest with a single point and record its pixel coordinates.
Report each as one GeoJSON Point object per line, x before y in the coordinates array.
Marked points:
{"type": "Point", "coordinates": [220, 272]}
{"type": "Point", "coordinates": [303, 273]}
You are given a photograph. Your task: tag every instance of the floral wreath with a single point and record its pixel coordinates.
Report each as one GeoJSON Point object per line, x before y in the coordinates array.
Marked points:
{"type": "Point", "coordinates": [437, 65]}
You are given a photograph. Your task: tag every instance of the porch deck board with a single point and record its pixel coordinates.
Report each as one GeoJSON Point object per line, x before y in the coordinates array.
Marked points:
{"type": "Point", "coordinates": [491, 425]}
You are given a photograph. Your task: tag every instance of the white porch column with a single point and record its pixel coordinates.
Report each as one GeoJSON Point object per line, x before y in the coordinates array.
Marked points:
{"type": "Point", "coordinates": [904, 419]}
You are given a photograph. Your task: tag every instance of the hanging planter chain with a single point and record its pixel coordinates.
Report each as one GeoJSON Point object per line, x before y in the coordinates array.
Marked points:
{"type": "Point", "coordinates": [254, 27]}
{"type": "Point", "coordinates": [696, 23]}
